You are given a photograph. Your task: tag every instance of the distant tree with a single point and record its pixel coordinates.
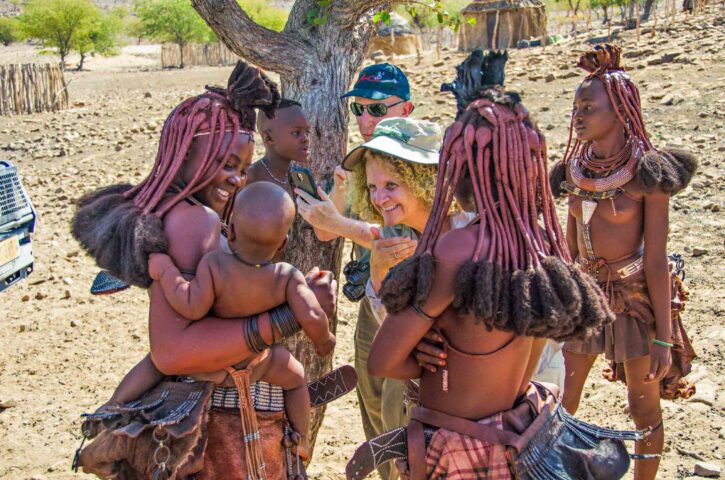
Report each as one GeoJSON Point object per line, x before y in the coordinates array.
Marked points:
{"type": "Point", "coordinates": [58, 24]}
{"type": "Point", "coordinates": [101, 36]}
{"type": "Point", "coordinates": [9, 32]}
{"type": "Point", "coordinates": [172, 21]}
{"type": "Point", "coordinates": [133, 28]}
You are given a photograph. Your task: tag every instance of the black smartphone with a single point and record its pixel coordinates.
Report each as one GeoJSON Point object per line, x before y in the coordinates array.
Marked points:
{"type": "Point", "coordinates": [302, 178]}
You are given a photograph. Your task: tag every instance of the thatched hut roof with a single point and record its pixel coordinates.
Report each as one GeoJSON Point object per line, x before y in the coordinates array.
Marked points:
{"type": "Point", "coordinates": [480, 6]}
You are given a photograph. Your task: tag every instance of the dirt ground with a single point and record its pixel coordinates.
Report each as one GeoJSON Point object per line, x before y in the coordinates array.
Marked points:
{"type": "Point", "coordinates": [62, 351]}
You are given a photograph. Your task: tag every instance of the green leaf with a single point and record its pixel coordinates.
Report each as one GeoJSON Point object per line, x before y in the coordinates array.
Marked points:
{"type": "Point", "coordinates": [440, 17]}
{"type": "Point", "coordinates": [386, 17]}
{"type": "Point", "coordinates": [471, 20]}
{"type": "Point", "coordinates": [377, 17]}
{"type": "Point", "coordinates": [324, 3]}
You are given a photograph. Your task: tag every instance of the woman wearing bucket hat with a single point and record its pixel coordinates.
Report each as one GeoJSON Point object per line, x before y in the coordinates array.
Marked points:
{"type": "Point", "coordinates": [391, 183]}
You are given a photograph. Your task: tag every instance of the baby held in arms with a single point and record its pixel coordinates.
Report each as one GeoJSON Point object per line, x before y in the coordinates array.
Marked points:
{"type": "Point", "coordinates": [243, 283]}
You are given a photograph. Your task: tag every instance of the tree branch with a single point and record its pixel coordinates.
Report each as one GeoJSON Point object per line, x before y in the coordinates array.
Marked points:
{"type": "Point", "coordinates": [354, 9]}
{"type": "Point", "coordinates": [281, 52]}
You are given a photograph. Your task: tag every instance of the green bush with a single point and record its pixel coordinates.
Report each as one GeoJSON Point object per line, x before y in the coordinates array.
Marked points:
{"type": "Point", "coordinates": [173, 21]}
{"type": "Point", "coordinates": [100, 38]}
{"type": "Point", "coordinates": [9, 30]}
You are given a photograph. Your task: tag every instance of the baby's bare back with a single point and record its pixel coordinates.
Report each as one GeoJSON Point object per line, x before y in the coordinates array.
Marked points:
{"type": "Point", "coordinates": [242, 291]}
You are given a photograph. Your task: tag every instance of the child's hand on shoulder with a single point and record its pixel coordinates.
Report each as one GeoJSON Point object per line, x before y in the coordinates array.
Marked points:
{"type": "Point", "coordinates": [158, 263]}
{"type": "Point", "coordinates": [327, 347]}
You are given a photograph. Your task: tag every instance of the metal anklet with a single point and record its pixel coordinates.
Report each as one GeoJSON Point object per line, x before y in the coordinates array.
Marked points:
{"type": "Point", "coordinates": [284, 322]}
{"type": "Point", "coordinates": [252, 336]}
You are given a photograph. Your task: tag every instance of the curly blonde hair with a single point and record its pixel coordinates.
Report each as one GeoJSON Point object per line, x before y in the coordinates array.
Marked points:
{"type": "Point", "coordinates": [419, 178]}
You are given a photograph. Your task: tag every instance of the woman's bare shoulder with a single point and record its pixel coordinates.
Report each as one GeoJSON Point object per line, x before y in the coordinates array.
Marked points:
{"type": "Point", "coordinates": [456, 246]}
{"type": "Point", "coordinates": [192, 231]}
{"type": "Point", "coordinates": [184, 217]}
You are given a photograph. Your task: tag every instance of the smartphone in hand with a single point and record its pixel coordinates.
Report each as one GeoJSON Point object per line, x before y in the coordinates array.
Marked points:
{"type": "Point", "coordinates": [302, 178]}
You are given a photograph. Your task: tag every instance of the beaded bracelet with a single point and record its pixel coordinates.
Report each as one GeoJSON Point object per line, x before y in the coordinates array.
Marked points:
{"type": "Point", "coordinates": [661, 343]}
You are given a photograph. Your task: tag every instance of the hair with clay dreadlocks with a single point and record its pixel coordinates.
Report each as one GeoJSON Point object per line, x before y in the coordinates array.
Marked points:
{"type": "Point", "coordinates": [668, 170]}
{"type": "Point", "coordinates": [520, 278]}
{"type": "Point", "coordinates": [121, 225]}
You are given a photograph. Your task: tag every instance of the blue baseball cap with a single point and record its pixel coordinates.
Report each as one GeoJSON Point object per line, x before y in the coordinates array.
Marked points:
{"type": "Point", "coordinates": [380, 81]}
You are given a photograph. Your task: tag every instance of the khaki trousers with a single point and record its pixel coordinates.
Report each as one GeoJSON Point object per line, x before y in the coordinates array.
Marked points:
{"type": "Point", "coordinates": [380, 399]}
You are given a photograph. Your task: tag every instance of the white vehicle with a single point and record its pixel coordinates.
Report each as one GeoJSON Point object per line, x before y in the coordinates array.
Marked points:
{"type": "Point", "coordinates": [17, 222]}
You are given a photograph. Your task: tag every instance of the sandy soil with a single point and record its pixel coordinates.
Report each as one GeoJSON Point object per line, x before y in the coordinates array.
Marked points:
{"type": "Point", "coordinates": [62, 351]}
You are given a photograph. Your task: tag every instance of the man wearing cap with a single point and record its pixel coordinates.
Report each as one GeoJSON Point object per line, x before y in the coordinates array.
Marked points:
{"type": "Point", "coordinates": [381, 91]}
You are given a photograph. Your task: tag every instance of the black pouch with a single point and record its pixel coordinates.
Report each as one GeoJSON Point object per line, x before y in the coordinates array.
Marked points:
{"type": "Point", "coordinates": [356, 278]}
{"type": "Point", "coordinates": [558, 446]}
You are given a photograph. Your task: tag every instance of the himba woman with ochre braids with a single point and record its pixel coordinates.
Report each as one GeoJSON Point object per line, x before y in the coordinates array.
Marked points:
{"type": "Point", "coordinates": [206, 147]}
{"type": "Point", "coordinates": [494, 290]}
{"type": "Point", "coordinates": [619, 188]}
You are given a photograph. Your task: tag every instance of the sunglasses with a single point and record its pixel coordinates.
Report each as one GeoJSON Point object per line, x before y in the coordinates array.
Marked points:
{"type": "Point", "coordinates": [374, 109]}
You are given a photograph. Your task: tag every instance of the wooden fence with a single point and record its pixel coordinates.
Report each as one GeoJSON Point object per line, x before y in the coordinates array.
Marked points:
{"type": "Point", "coordinates": [197, 54]}
{"type": "Point", "coordinates": [32, 88]}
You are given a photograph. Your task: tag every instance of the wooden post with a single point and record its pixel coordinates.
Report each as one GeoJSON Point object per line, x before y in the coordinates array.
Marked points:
{"type": "Point", "coordinates": [494, 39]}
{"type": "Point", "coordinates": [464, 37]}
{"type": "Point", "coordinates": [638, 14]}
{"type": "Point", "coordinates": [439, 38]}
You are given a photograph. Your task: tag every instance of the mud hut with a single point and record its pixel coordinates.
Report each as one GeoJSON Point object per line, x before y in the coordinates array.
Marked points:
{"type": "Point", "coordinates": [397, 38]}
{"type": "Point", "coordinates": [502, 23]}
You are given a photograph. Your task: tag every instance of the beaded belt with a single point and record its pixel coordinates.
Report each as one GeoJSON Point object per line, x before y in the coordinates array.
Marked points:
{"type": "Point", "coordinates": [628, 270]}
{"type": "Point", "coordinates": [265, 397]}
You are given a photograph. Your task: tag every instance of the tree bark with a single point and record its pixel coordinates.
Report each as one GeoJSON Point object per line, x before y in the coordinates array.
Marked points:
{"type": "Point", "coordinates": [316, 66]}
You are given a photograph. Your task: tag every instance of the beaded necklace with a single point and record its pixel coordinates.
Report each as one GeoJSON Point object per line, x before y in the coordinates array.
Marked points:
{"type": "Point", "coordinates": [621, 165]}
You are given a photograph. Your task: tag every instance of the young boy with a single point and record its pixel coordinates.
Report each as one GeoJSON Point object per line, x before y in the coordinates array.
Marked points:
{"type": "Point", "coordinates": [286, 140]}
{"type": "Point", "coordinates": [243, 283]}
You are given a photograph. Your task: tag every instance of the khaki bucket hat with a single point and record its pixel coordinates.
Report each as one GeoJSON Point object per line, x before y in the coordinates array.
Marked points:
{"type": "Point", "coordinates": [416, 141]}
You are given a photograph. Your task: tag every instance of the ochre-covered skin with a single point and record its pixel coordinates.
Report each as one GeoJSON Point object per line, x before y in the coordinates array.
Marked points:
{"type": "Point", "coordinates": [633, 224]}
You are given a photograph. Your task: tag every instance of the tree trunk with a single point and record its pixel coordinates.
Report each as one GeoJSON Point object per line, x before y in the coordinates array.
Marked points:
{"type": "Point", "coordinates": [80, 63]}
{"type": "Point", "coordinates": [647, 10]}
{"type": "Point", "coordinates": [316, 66]}
{"type": "Point", "coordinates": [181, 54]}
